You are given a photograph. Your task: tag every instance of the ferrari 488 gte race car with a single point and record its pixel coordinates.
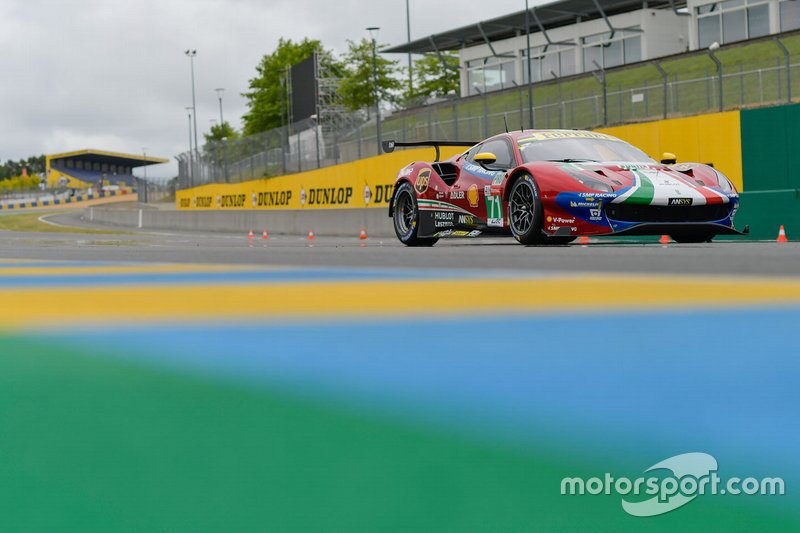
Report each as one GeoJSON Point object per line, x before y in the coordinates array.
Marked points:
{"type": "Point", "coordinates": [552, 186]}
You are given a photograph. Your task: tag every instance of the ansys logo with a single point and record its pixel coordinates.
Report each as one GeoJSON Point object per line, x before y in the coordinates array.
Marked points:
{"type": "Point", "coordinates": [671, 484]}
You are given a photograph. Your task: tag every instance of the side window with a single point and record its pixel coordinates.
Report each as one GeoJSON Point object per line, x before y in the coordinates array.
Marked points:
{"type": "Point", "coordinates": [470, 155]}
{"type": "Point", "coordinates": [502, 150]}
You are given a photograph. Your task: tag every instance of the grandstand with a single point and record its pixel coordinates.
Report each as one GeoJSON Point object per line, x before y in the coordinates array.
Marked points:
{"type": "Point", "coordinates": [95, 169]}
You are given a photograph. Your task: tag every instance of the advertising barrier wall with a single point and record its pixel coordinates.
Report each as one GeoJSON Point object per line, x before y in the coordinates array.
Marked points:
{"type": "Point", "coordinates": [755, 148]}
{"type": "Point", "coordinates": [770, 159]}
{"type": "Point", "coordinates": [364, 183]}
{"type": "Point", "coordinates": [369, 182]}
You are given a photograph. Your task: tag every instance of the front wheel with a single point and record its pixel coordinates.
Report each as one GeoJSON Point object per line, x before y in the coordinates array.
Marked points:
{"type": "Point", "coordinates": [406, 217]}
{"type": "Point", "coordinates": [559, 241]}
{"type": "Point", "coordinates": [525, 211]}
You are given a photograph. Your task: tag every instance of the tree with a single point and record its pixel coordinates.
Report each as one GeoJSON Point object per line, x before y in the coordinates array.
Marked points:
{"type": "Point", "coordinates": [20, 183]}
{"type": "Point", "coordinates": [34, 164]}
{"type": "Point", "coordinates": [219, 133]}
{"type": "Point", "coordinates": [435, 76]}
{"type": "Point", "coordinates": [356, 88]}
{"type": "Point", "coordinates": [264, 96]}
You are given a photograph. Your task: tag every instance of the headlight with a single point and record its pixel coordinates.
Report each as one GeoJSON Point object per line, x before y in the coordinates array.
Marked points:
{"type": "Point", "coordinates": [724, 183]}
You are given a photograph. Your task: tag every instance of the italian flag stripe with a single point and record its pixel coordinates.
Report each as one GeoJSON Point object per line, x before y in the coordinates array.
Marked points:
{"type": "Point", "coordinates": [643, 195]}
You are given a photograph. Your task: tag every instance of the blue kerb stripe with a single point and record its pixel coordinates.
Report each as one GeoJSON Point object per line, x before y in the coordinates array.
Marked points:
{"type": "Point", "coordinates": [517, 374]}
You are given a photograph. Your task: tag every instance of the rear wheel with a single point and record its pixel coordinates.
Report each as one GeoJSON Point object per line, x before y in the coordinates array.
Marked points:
{"type": "Point", "coordinates": [693, 238]}
{"type": "Point", "coordinates": [525, 211]}
{"type": "Point", "coordinates": [406, 217]}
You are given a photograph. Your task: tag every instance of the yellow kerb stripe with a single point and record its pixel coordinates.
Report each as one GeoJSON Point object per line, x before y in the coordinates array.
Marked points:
{"type": "Point", "coordinates": [29, 308]}
{"type": "Point", "coordinates": [45, 271]}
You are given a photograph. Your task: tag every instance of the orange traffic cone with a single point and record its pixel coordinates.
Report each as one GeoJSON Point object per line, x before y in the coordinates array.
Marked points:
{"type": "Point", "coordinates": [311, 235]}
{"type": "Point", "coordinates": [264, 236]}
{"type": "Point", "coordinates": [250, 235]}
{"type": "Point", "coordinates": [664, 239]}
{"type": "Point", "coordinates": [583, 239]}
{"type": "Point", "coordinates": [363, 235]}
{"type": "Point", "coordinates": [782, 235]}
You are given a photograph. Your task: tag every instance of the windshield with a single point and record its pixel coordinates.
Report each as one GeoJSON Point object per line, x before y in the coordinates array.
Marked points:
{"type": "Point", "coordinates": [597, 148]}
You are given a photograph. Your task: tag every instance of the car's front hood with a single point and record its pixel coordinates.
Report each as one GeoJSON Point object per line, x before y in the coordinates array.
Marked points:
{"type": "Point", "coordinates": [636, 183]}
{"type": "Point", "coordinates": [667, 187]}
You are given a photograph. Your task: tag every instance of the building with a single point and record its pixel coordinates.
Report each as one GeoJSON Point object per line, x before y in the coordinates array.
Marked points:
{"type": "Point", "coordinates": [738, 20]}
{"type": "Point", "coordinates": [85, 169]}
{"type": "Point", "coordinates": [576, 36]}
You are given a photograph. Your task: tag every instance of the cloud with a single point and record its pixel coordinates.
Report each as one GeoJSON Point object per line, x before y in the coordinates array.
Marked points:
{"type": "Point", "coordinates": [112, 75]}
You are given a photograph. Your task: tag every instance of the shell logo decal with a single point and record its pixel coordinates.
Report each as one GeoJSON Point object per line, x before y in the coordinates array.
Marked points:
{"type": "Point", "coordinates": [472, 195]}
{"type": "Point", "coordinates": [423, 178]}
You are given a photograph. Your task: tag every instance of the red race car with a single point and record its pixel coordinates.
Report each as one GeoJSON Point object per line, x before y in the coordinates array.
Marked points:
{"type": "Point", "coordinates": [552, 186]}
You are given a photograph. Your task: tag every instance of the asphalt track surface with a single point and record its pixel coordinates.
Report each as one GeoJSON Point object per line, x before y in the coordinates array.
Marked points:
{"type": "Point", "coordinates": [723, 258]}
{"type": "Point", "coordinates": [162, 381]}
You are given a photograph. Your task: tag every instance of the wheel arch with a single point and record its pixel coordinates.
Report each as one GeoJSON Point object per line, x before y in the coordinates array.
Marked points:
{"type": "Point", "coordinates": [397, 185]}
{"type": "Point", "coordinates": [513, 178]}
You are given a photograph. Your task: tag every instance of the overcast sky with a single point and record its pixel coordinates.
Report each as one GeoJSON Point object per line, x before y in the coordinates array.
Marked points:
{"type": "Point", "coordinates": [112, 75]}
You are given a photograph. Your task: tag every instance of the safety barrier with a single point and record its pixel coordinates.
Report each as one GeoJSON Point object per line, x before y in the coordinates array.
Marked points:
{"type": "Point", "coordinates": [80, 198]}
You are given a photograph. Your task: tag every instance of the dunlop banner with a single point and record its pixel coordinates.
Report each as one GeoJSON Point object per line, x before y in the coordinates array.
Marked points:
{"type": "Point", "coordinates": [364, 183]}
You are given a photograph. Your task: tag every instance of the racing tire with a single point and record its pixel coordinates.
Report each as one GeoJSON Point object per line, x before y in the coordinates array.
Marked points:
{"type": "Point", "coordinates": [555, 241]}
{"type": "Point", "coordinates": [693, 238]}
{"type": "Point", "coordinates": [525, 211]}
{"type": "Point", "coordinates": [406, 218]}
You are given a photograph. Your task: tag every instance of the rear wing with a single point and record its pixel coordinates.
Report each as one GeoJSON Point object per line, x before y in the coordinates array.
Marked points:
{"type": "Point", "coordinates": [389, 146]}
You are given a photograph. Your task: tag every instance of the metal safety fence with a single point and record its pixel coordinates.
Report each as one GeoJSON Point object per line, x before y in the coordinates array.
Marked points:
{"type": "Point", "coordinates": [586, 101]}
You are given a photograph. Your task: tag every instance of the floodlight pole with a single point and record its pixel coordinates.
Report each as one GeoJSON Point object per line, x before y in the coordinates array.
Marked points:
{"type": "Point", "coordinates": [788, 68]}
{"type": "Point", "coordinates": [220, 91]}
{"type": "Point", "coordinates": [664, 81]}
{"type": "Point", "coordinates": [560, 100]}
{"type": "Point", "coordinates": [408, 36]}
{"type": "Point", "coordinates": [602, 79]}
{"type": "Point", "coordinates": [190, 54]}
{"type": "Point", "coordinates": [191, 173]}
{"type": "Point", "coordinates": [711, 49]}
{"type": "Point", "coordinates": [528, 57]}
{"type": "Point", "coordinates": [372, 33]}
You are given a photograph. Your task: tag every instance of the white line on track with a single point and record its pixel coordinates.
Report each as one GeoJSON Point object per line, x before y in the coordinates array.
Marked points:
{"type": "Point", "coordinates": [50, 222]}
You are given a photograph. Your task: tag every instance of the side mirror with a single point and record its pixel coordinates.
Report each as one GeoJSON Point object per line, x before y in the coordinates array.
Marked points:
{"type": "Point", "coordinates": [668, 158]}
{"type": "Point", "coordinates": [485, 158]}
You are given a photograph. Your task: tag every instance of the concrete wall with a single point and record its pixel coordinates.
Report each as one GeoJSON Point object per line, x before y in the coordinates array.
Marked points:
{"type": "Point", "coordinates": [324, 222]}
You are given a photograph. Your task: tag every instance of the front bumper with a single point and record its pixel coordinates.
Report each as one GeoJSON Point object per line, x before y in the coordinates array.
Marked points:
{"type": "Point", "coordinates": [673, 228]}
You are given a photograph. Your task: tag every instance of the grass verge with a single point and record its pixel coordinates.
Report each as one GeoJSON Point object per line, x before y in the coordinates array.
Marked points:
{"type": "Point", "coordinates": [30, 222]}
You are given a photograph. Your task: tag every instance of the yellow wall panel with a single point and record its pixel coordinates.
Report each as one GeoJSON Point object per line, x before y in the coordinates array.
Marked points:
{"type": "Point", "coordinates": [714, 138]}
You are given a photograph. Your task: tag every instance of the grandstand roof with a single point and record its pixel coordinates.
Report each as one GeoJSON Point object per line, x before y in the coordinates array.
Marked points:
{"type": "Point", "coordinates": [115, 158]}
{"type": "Point", "coordinates": [552, 15]}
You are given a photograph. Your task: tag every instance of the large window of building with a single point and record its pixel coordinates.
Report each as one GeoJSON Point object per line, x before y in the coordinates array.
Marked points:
{"type": "Point", "coordinates": [790, 15]}
{"type": "Point", "coordinates": [490, 74]}
{"type": "Point", "coordinates": [732, 20]}
{"type": "Point", "coordinates": [546, 61]}
{"type": "Point", "coordinates": [611, 51]}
